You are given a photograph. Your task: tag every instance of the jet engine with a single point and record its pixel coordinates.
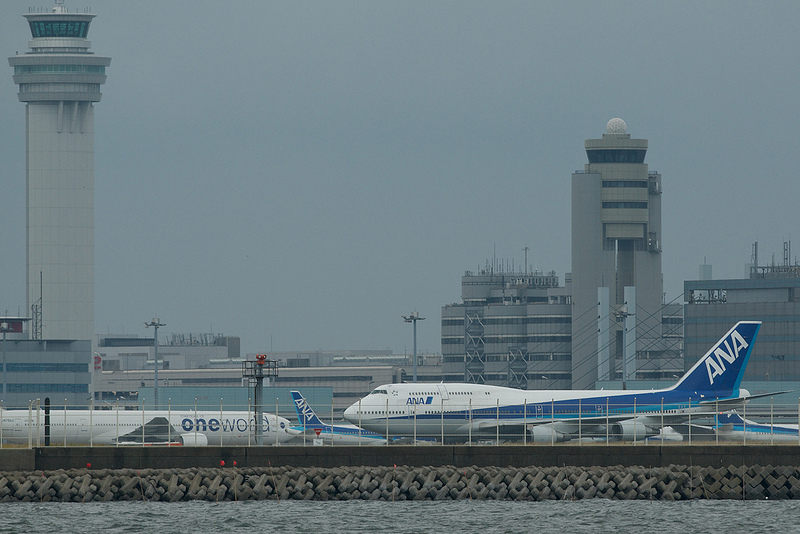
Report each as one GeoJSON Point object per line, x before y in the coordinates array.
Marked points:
{"type": "Point", "coordinates": [546, 434]}
{"type": "Point", "coordinates": [629, 430]}
{"type": "Point", "coordinates": [194, 439]}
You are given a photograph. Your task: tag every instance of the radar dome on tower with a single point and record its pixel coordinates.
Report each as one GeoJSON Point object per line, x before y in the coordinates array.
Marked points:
{"type": "Point", "coordinates": [616, 126]}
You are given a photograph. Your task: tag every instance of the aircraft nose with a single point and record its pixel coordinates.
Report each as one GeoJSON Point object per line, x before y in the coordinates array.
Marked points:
{"type": "Point", "coordinates": [351, 413]}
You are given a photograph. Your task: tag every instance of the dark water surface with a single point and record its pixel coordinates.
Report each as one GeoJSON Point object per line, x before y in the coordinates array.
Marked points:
{"type": "Point", "coordinates": [591, 515]}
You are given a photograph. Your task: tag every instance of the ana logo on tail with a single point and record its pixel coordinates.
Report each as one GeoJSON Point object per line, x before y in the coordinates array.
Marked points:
{"type": "Point", "coordinates": [715, 363]}
{"type": "Point", "coordinates": [304, 411]}
{"type": "Point", "coordinates": [719, 372]}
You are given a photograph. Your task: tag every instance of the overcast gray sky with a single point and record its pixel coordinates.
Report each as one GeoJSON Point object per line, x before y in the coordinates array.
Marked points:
{"type": "Point", "coordinates": [301, 174]}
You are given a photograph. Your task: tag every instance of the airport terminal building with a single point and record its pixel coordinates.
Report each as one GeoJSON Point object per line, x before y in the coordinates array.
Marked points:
{"type": "Point", "coordinates": [770, 294]}
{"type": "Point", "coordinates": [510, 329]}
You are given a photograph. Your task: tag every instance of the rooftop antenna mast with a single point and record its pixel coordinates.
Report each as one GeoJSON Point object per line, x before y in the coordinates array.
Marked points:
{"type": "Point", "coordinates": [526, 249]}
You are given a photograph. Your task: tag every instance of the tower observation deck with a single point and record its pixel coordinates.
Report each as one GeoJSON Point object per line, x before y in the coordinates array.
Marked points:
{"type": "Point", "coordinates": [59, 79]}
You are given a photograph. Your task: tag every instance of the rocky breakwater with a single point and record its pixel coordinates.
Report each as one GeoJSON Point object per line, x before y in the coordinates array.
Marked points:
{"type": "Point", "coordinates": [675, 482]}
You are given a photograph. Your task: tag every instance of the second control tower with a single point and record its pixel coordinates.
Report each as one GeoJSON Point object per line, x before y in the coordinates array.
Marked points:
{"type": "Point", "coordinates": [617, 295]}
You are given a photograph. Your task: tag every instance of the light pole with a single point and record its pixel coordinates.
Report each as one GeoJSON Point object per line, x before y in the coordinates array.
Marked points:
{"type": "Point", "coordinates": [413, 318]}
{"type": "Point", "coordinates": [255, 372]}
{"type": "Point", "coordinates": [155, 324]}
{"type": "Point", "coordinates": [5, 327]}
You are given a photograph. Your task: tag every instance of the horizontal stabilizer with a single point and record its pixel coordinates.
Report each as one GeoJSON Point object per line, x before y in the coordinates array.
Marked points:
{"type": "Point", "coordinates": [737, 401]}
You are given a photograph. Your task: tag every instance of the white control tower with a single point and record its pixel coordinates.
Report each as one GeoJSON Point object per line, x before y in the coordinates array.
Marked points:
{"type": "Point", "coordinates": [59, 80]}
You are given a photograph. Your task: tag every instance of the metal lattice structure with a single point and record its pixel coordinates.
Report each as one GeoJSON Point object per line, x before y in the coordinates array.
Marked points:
{"type": "Point", "coordinates": [36, 319]}
{"type": "Point", "coordinates": [474, 352]}
{"type": "Point", "coordinates": [517, 368]}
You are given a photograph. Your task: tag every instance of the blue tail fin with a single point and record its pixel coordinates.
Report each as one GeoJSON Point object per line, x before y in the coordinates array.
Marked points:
{"type": "Point", "coordinates": [719, 372]}
{"type": "Point", "coordinates": [305, 414]}
{"type": "Point", "coordinates": [729, 418]}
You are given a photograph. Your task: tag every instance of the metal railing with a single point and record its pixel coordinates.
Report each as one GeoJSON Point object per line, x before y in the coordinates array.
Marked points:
{"type": "Point", "coordinates": [199, 424]}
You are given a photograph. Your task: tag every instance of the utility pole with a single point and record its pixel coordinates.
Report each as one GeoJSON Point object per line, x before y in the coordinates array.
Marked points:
{"type": "Point", "coordinates": [526, 249]}
{"type": "Point", "coordinates": [413, 318]}
{"type": "Point", "coordinates": [155, 323]}
{"type": "Point", "coordinates": [5, 327]}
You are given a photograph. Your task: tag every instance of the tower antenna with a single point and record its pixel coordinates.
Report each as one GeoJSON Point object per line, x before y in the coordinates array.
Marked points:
{"type": "Point", "coordinates": [526, 249]}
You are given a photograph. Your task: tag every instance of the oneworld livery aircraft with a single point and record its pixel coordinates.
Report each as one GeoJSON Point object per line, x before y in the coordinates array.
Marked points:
{"type": "Point", "coordinates": [312, 426]}
{"type": "Point", "coordinates": [456, 411]}
{"type": "Point", "coordinates": [132, 427]}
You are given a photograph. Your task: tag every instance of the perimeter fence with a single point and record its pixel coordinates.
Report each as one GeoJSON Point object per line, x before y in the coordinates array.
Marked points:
{"type": "Point", "coordinates": [117, 424]}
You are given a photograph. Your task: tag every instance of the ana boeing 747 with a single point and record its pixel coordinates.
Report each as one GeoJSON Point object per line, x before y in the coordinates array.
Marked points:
{"type": "Point", "coordinates": [453, 411]}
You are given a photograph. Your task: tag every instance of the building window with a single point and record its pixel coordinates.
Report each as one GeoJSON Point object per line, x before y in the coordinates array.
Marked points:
{"type": "Point", "coordinates": [625, 183]}
{"type": "Point", "coordinates": [618, 155]}
{"type": "Point", "coordinates": [625, 205]}
{"type": "Point", "coordinates": [51, 69]}
{"type": "Point", "coordinates": [47, 368]}
{"type": "Point", "coordinates": [49, 28]}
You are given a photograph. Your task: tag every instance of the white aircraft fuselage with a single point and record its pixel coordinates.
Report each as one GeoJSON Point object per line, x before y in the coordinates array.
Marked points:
{"type": "Point", "coordinates": [124, 427]}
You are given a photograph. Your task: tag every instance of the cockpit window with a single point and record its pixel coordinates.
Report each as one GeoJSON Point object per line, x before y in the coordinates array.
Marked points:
{"type": "Point", "coordinates": [377, 391]}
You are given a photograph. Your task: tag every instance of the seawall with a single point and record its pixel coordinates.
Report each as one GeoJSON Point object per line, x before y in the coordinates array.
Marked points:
{"type": "Point", "coordinates": [402, 483]}
{"type": "Point", "coordinates": [129, 457]}
{"type": "Point", "coordinates": [674, 472]}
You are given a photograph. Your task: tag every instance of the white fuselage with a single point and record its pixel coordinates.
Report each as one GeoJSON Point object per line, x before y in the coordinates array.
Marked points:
{"type": "Point", "coordinates": [124, 427]}
{"type": "Point", "coordinates": [454, 409]}
{"type": "Point", "coordinates": [747, 431]}
{"type": "Point", "coordinates": [339, 435]}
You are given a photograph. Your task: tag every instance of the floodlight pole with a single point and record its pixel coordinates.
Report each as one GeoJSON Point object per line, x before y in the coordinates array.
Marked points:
{"type": "Point", "coordinates": [413, 318]}
{"type": "Point", "coordinates": [5, 327]}
{"type": "Point", "coordinates": [155, 323]}
{"type": "Point", "coordinates": [259, 398]}
{"type": "Point", "coordinates": [255, 372]}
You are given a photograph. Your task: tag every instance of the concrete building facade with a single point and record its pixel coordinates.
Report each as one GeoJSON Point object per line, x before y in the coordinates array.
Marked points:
{"type": "Point", "coordinates": [510, 329]}
{"type": "Point", "coordinates": [347, 384]}
{"type": "Point", "coordinates": [203, 365]}
{"type": "Point", "coordinates": [771, 294]}
{"type": "Point", "coordinates": [58, 371]}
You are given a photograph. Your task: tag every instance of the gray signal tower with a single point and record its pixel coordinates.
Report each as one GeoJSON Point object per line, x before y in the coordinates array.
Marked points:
{"type": "Point", "coordinates": [59, 81]}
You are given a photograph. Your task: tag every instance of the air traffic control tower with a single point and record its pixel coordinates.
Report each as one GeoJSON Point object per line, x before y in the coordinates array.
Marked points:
{"type": "Point", "coordinates": [59, 81]}
{"type": "Point", "coordinates": [617, 299]}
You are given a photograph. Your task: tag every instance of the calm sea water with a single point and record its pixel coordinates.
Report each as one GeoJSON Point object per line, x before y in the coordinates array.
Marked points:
{"type": "Point", "coordinates": [595, 515]}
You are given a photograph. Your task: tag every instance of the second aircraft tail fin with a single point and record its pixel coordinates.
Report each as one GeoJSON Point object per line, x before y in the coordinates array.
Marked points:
{"type": "Point", "coordinates": [305, 413]}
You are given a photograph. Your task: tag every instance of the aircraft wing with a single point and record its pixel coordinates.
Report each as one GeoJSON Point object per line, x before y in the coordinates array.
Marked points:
{"type": "Point", "coordinates": [596, 426]}
{"type": "Point", "coordinates": [728, 404]}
